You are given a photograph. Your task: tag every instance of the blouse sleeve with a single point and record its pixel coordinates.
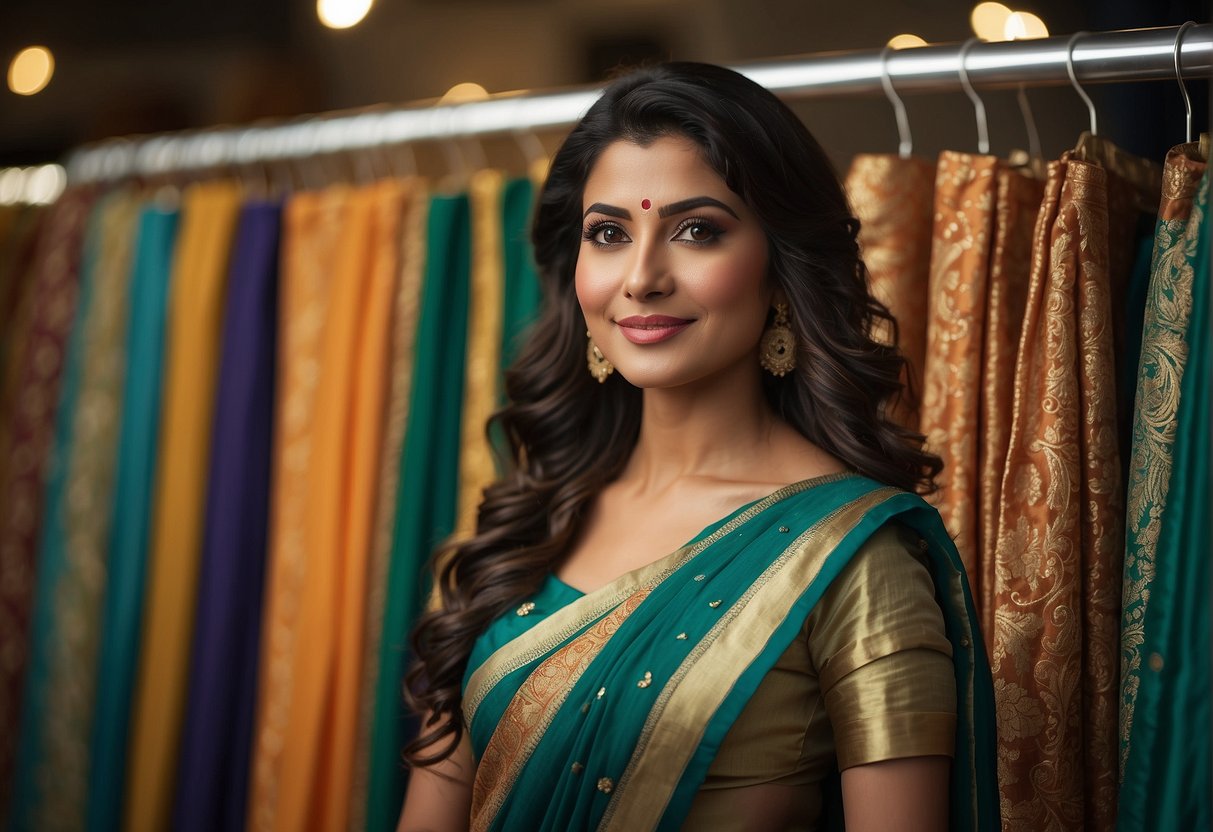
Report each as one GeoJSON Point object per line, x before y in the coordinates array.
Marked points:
{"type": "Point", "coordinates": [878, 643]}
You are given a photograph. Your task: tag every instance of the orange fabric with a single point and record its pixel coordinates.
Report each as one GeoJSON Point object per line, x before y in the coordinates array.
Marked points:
{"type": "Point", "coordinates": [892, 197]}
{"type": "Point", "coordinates": [342, 469]}
{"type": "Point", "coordinates": [965, 190]}
{"type": "Point", "coordinates": [1057, 574]}
{"type": "Point", "coordinates": [193, 333]}
{"type": "Point", "coordinates": [406, 308]}
{"type": "Point", "coordinates": [1016, 205]}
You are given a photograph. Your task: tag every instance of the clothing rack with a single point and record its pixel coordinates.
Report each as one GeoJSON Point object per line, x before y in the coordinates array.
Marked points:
{"type": "Point", "coordinates": [1097, 57]}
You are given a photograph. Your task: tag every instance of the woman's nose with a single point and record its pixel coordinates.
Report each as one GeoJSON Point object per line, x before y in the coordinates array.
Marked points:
{"type": "Point", "coordinates": [649, 276]}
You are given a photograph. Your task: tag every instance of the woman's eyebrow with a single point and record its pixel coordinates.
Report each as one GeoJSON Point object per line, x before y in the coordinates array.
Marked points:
{"type": "Point", "coordinates": [609, 210]}
{"type": "Point", "coordinates": [694, 202]}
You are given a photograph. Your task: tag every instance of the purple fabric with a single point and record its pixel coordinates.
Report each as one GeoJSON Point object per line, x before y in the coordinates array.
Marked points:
{"type": "Point", "coordinates": [213, 770]}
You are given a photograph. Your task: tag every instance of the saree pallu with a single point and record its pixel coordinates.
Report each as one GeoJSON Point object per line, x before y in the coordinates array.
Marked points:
{"type": "Point", "coordinates": [608, 711]}
{"type": "Point", "coordinates": [1057, 574]}
{"type": "Point", "coordinates": [57, 718]}
{"type": "Point", "coordinates": [892, 197]}
{"type": "Point", "coordinates": [1168, 763]}
{"type": "Point", "coordinates": [1164, 356]}
{"type": "Point", "coordinates": [213, 782]}
{"type": "Point", "coordinates": [130, 526]}
{"type": "Point", "coordinates": [28, 436]}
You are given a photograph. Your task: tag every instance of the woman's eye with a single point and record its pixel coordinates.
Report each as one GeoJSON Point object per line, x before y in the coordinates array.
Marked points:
{"type": "Point", "coordinates": [698, 231]}
{"type": "Point", "coordinates": [605, 234]}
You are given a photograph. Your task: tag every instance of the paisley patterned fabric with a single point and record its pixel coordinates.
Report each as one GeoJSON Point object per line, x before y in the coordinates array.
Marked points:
{"type": "Point", "coordinates": [1164, 354]}
{"type": "Point", "coordinates": [1057, 572]}
{"type": "Point", "coordinates": [892, 197]}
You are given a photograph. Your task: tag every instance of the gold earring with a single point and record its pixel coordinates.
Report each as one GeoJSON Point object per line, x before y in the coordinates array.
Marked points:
{"type": "Point", "coordinates": [777, 350]}
{"type": "Point", "coordinates": [599, 366]}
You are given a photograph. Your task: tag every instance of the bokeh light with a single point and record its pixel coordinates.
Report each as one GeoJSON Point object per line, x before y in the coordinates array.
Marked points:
{"type": "Point", "coordinates": [1024, 26]}
{"type": "Point", "coordinates": [906, 41]}
{"type": "Point", "coordinates": [342, 14]}
{"type": "Point", "coordinates": [989, 21]}
{"type": "Point", "coordinates": [467, 91]}
{"type": "Point", "coordinates": [31, 70]}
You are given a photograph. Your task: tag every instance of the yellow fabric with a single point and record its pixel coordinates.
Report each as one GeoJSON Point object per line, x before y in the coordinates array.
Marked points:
{"type": "Point", "coordinates": [476, 468]}
{"type": "Point", "coordinates": [311, 228]}
{"type": "Point", "coordinates": [193, 335]}
{"type": "Point", "coordinates": [874, 645]}
{"type": "Point", "coordinates": [406, 306]}
{"type": "Point", "coordinates": [322, 723]}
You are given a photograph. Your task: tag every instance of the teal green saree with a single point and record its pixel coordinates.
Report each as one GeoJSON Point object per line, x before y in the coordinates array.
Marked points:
{"type": "Point", "coordinates": [605, 710]}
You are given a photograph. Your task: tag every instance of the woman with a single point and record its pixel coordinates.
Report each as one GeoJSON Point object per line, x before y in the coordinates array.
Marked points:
{"type": "Point", "coordinates": [705, 369]}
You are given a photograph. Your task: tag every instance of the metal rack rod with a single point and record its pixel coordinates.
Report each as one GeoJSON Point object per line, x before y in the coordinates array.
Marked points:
{"type": "Point", "coordinates": [1098, 57]}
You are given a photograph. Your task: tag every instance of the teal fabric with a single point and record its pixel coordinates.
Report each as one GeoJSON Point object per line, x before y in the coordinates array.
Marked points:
{"type": "Point", "coordinates": [428, 493]}
{"type": "Point", "coordinates": [601, 733]}
{"type": "Point", "coordinates": [32, 784]}
{"type": "Point", "coordinates": [132, 501]}
{"type": "Point", "coordinates": [1168, 775]}
{"type": "Point", "coordinates": [522, 292]}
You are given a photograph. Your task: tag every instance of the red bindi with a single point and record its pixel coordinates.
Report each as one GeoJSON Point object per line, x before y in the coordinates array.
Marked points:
{"type": "Point", "coordinates": [645, 204]}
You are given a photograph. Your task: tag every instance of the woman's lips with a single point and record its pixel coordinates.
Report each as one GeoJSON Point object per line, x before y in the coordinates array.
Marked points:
{"type": "Point", "coordinates": [652, 328]}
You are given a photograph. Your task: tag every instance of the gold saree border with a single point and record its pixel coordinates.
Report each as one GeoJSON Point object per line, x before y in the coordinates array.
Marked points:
{"type": "Point", "coordinates": [695, 692]}
{"type": "Point", "coordinates": [565, 622]}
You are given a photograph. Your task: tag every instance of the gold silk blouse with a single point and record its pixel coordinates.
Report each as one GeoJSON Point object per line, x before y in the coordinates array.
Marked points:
{"type": "Point", "coordinates": [869, 678]}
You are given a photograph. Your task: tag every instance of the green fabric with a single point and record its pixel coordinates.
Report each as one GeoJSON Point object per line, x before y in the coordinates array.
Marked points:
{"type": "Point", "coordinates": [1168, 774]}
{"type": "Point", "coordinates": [32, 784]}
{"type": "Point", "coordinates": [130, 529]}
{"type": "Point", "coordinates": [428, 494]}
{"type": "Point", "coordinates": [522, 291]}
{"type": "Point", "coordinates": [601, 732]}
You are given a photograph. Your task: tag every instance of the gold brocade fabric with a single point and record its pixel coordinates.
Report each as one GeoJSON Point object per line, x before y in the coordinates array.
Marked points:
{"type": "Point", "coordinates": [966, 187]}
{"type": "Point", "coordinates": [1057, 572]}
{"type": "Point", "coordinates": [1164, 354]}
{"type": "Point", "coordinates": [406, 306]}
{"type": "Point", "coordinates": [80, 591]}
{"type": "Point", "coordinates": [191, 369]}
{"type": "Point", "coordinates": [892, 197]}
{"type": "Point", "coordinates": [311, 227]}
{"type": "Point", "coordinates": [476, 467]}
{"type": "Point", "coordinates": [1016, 205]}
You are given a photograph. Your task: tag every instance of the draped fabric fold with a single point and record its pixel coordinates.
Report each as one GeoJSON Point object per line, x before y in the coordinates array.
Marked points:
{"type": "Point", "coordinates": [522, 294]}
{"type": "Point", "coordinates": [1057, 573]}
{"type": "Point", "coordinates": [428, 494]}
{"type": "Point", "coordinates": [130, 526]}
{"type": "Point", "coordinates": [213, 772]}
{"type": "Point", "coordinates": [17, 247]}
{"type": "Point", "coordinates": [52, 778]}
{"type": "Point", "coordinates": [37, 377]}
{"type": "Point", "coordinates": [966, 188]}
{"type": "Point", "coordinates": [200, 271]}
{"type": "Point", "coordinates": [1167, 758]}
{"type": "Point", "coordinates": [893, 199]}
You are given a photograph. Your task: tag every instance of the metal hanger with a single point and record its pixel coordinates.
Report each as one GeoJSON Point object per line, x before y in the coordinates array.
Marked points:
{"type": "Point", "coordinates": [1179, 76]}
{"type": "Point", "coordinates": [905, 144]}
{"type": "Point", "coordinates": [983, 129]}
{"type": "Point", "coordinates": [1074, 79]}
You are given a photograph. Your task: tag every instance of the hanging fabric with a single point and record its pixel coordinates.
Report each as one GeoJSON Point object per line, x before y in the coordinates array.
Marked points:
{"type": "Point", "coordinates": [213, 772]}
{"type": "Point", "coordinates": [200, 271]}
{"type": "Point", "coordinates": [522, 293]}
{"type": "Point", "coordinates": [1057, 575]}
{"type": "Point", "coordinates": [406, 308]}
{"type": "Point", "coordinates": [480, 391]}
{"type": "Point", "coordinates": [17, 246]}
{"type": "Point", "coordinates": [130, 526]}
{"type": "Point", "coordinates": [893, 200]}
{"type": "Point", "coordinates": [1166, 755]}
{"type": "Point", "coordinates": [321, 730]}
{"type": "Point", "coordinates": [428, 494]}
{"type": "Point", "coordinates": [30, 434]}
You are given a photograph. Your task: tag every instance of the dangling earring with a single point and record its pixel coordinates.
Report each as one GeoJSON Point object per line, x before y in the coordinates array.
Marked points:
{"type": "Point", "coordinates": [777, 350]}
{"type": "Point", "coordinates": [600, 368]}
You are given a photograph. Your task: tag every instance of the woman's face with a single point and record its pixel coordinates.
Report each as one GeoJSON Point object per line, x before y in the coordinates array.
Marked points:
{"type": "Point", "coordinates": [672, 270]}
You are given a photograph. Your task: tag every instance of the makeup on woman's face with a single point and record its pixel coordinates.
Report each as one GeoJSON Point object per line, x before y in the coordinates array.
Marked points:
{"type": "Point", "coordinates": [672, 269]}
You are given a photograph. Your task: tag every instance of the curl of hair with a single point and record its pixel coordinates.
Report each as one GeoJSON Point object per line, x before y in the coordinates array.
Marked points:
{"type": "Point", "coordinates": [567, 436]}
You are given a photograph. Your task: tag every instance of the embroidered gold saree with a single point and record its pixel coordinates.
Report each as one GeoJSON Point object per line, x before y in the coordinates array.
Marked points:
{"type": "Point", "coordinates": [606, 710]}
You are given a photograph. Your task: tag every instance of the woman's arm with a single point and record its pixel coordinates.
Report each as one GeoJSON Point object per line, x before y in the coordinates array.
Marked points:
{"type": "Point", "coordinates": [439, 798]}
{"type": "Point", "coordinates": [905, 795]}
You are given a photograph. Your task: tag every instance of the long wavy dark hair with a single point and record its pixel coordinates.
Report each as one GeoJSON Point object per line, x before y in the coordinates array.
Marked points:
{"type": "Point", "coordinates": [567, 436]}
